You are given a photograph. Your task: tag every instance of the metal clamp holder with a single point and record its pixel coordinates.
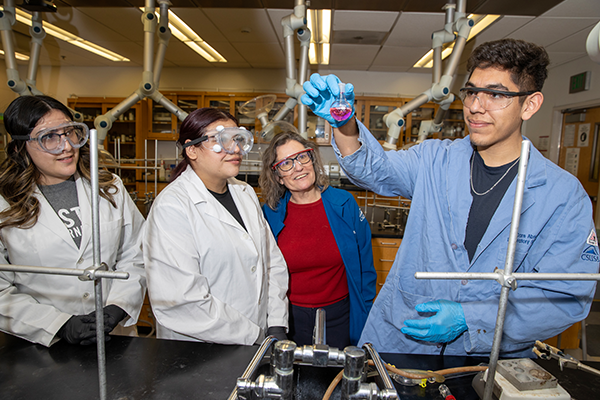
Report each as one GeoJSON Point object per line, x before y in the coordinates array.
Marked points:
{"type": "Point", "coordinates": [90, 272]}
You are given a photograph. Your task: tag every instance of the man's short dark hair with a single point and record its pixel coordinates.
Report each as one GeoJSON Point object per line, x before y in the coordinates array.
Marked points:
{"type": "Point", "coordinates": [526, 62]}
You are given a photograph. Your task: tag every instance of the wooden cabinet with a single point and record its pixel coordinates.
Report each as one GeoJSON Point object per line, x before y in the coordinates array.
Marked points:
{"type": "Point", "coordinates": [371, 110]}
{"type": "Point", "coordinates": [164, 125]}
{"type": "Point", "coordinates": [384, 254]}
{"type": "Point", "coordinates": [122, 141]}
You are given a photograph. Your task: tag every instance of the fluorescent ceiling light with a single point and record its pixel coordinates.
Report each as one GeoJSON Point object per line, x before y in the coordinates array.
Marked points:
{"type": "Point", "coordinates": [18, 56]}
{"type": "Point", "coordinates": [68, 37]}
{"type": "Point", "coordinates": [481, 22]}
{"type": "Point", "coordinates": [319, 23]}
{"type": "Point", "coordinates": [184, 33]}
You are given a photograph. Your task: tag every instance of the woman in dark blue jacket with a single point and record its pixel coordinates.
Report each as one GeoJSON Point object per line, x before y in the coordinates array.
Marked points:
{"type": "Point", "coordinates": [325, 239]}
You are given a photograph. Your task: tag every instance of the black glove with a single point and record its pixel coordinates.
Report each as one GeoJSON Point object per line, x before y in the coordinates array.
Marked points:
{"type": "Point", "coordinates": [112, 316]}
{"type": "Point", "coordinates": [278, 332]}
{"type": "Point", "coordinates": [79, 329]}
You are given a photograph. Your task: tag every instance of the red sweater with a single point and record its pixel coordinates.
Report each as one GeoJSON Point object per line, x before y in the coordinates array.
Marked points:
{"type": "Point", "coordinates": [317, 272]}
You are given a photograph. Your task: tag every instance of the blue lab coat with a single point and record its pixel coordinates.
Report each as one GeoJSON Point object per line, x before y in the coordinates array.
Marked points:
{"type": "Point", "coordinates": [556, 234]}
{"type": "Point", "coordinates": [352, 234]}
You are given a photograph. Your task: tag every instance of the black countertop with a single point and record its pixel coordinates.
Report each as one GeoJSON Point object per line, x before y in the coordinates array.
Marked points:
{"type": "Point", "coordinates": [145, 368]}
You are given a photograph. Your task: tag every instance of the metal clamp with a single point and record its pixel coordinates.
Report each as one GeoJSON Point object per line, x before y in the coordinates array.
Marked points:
{"type": "Point", "coordinates": [90, 272]}
{"type": "Point", "coordinates": [508, 281]}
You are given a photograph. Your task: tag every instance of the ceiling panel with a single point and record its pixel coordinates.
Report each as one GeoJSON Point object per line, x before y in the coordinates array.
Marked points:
{"type": "Point", "coordinates": [573, 43]}
{"type": "Point", "coordinates": [547, 30]}
{"type": "Point", "coordinates": [261, 55]}
{"type": "Point", "coordinates": [575, 9]}
{"type": "Point", "coordinates": [512, 7]}
{"type": "Point", "coordinates": [401, 57]}
{"type": "Point", "coordinates": [275, 16]}
{"type": "Point", "coordinates": [376, 21]}
{"type": "Point", "coordinates": [344, 56]}
{"type": "Point", "coordinates": [243, 25]}
{"type": "Point", "coordinates": [197, 19]}
{"type": "Point", "coordinates": [503, 28]}
{"type": "Point", "coordinates": [558, 58]}
{"type": "Point", "coordinates": [415, 29]}
{"type": "Point", "coordinates": [125, 22]}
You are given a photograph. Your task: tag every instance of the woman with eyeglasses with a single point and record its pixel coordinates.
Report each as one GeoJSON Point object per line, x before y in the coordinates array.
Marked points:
{"type": "Point", "coordinates": [46, 220]}
{"type": "Point", "coordinates": [325, 239]}
{"type": "Point", "coordinates": [215, 273]}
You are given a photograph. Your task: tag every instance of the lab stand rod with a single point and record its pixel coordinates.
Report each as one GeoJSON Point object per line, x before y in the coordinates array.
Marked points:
{"type": "Point", "coordinates": [96, 258]}
{"type": "Point", "coordinates": [508, 268]}
{"type": "Point", "coordinates": [493, 276]}
{"type": "Point", "coordinates": [63, 271]}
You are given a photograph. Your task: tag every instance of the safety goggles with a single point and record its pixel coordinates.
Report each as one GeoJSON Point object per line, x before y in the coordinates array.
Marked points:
{"type": "Point", "coordinates": [225, 139]}
{"type": "Point", "coordinates": [52, 140]}
{"type": "Point", "coordinates": [489, 99]}
{"type": "Point", "coordinates": [287, 164]}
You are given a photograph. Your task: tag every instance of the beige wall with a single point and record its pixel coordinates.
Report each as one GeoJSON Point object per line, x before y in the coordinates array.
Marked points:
{"type": "Point", "coordinates": [557, 97]}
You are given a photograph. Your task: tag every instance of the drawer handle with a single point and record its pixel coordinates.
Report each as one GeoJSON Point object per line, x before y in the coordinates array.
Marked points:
{"type": "Point", "coordinates": [382, 260]}
{"type": "Point", "coordinates": [387, 243]}
{"type": "Point", "coordinates": [380, 284]}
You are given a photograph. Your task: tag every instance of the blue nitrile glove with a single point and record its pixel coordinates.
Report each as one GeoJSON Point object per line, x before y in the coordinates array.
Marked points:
{"type": "Point", "coordinates": [321, 93]}
{"type": "Point", "coordinates": [444, 326]}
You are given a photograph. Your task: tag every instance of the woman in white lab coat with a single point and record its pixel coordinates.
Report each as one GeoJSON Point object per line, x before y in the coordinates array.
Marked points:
{"type": "Point", "coordinates": [215, 273]}
{"type": "Point", "coordinates": [46, 220]}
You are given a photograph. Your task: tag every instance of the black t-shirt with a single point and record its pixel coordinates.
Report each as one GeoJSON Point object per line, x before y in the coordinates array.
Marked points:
{"type": "Point", "coordinates": [227, 201]}
{"type": "Point", "coordinates": [487, 197]}
{"type": "Point", "coordinates": [63, 199]}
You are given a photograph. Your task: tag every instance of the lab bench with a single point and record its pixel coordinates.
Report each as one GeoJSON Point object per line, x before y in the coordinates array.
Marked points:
{"type": "Point", "coordinates": [154, 369]}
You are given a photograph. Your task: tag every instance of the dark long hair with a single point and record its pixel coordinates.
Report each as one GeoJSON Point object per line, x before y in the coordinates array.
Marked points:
{"type": "Point", "coordinates": [193, 127]}
{"type": "Point", "coordinates": [18, 173]}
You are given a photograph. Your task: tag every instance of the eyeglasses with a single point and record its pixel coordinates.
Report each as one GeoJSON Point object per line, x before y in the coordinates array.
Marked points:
{"type": "Point", "coordinates": [489, 99]}
{"type": "Point", "coordinates": [52, 140]}
{"type": "Point", "coordinates": [303, 157]}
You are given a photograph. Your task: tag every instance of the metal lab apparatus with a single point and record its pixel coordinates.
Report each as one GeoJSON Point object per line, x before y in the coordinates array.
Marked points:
{"type": "Point", "coordinates": [303, 372]}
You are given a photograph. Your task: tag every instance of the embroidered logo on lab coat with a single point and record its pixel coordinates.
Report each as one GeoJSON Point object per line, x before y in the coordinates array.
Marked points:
{"type": "Point", "coordinates": [592, 239]}
{"type": "Point", "coordinates": [590, 254]}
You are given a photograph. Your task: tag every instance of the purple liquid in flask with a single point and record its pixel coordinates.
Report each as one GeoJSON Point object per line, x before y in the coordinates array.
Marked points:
{"type": "Point", "coordinates": [341, 109]}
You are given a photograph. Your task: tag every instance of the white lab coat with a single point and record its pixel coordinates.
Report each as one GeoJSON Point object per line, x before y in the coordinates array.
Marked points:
{"type": "Point", "coordinates": [208, 279]}
{"type": "Point", "coordinates": [35, 306]}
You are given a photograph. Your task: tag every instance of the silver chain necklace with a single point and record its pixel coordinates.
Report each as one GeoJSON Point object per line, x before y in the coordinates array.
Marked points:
{"type": "Point", "coordinates": [495, 184]}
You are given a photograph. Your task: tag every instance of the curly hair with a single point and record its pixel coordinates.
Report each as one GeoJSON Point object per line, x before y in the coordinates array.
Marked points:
{"type": "Point", "coordinates": [526, 62]}
{"type": "Point", "coordinates": [19, 175]}
{"type": "Point", "coordinates": [272, 190]}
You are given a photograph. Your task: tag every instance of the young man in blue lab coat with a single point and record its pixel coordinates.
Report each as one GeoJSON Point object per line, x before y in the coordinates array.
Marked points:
{"type": "Point", "coordinates": [462, 195]}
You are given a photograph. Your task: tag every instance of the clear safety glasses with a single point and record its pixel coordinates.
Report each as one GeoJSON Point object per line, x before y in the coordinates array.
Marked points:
{"type": "Point", "coordinates": [303, 157]}
{"type": "Point", "coordinates": [52, 140]}
{"type": "Point", "coordinates": [489, 99]}
{"type": "Point", "coordinates": [225, 139]}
